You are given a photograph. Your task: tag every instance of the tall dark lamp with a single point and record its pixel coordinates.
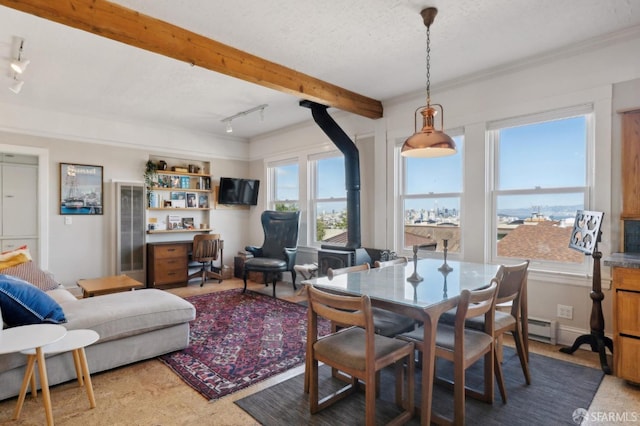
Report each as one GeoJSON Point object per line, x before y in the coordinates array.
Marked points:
{"type": "Point", "coordinates": [584, 238]}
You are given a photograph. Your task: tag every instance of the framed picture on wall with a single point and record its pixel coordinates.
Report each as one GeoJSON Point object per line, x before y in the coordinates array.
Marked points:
{"type": "Point", "coordinates": [81, 189]}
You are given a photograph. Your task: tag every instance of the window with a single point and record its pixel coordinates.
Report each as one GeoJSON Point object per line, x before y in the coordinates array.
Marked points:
{"type": "Point", "coordinates": [284, 188]}
{"type": "Point", "coordinates": [329, 199]}
{"type": "Point", "coordinates": [430, 198]}
{"type": "Point", "coordinates": [541, 178]}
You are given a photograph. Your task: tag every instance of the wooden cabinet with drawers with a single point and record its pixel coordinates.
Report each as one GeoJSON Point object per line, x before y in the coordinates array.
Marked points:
{"type": "Point", "coordinates": [168, 262]}
{"type": "Point", "coordinates": [626, 329]}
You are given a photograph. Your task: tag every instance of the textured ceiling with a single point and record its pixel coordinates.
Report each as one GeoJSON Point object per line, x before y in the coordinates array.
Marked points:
{"type": "Point", "coordinates": [372, 47]}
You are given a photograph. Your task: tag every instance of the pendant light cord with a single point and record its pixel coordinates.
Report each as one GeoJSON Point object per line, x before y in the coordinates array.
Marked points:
{"type": "Point", "coordinates": [428, 65]}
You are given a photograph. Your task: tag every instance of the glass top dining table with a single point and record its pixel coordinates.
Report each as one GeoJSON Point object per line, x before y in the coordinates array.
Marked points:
{"type": "Point", "coordinates": [422, 290]}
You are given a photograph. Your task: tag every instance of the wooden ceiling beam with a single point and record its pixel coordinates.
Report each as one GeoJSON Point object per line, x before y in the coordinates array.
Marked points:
{"type": "Point", "coordinates": [135, 29]}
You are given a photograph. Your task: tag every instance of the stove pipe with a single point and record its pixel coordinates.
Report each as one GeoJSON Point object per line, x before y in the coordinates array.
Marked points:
{"type": "Point", "coordinates": [351, 171]}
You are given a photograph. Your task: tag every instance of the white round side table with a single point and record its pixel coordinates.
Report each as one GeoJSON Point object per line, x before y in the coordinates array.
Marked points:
{"type": "Point", "coordinates": [17, 339]}
{"type": "Point", "coordinates": [74, 341]}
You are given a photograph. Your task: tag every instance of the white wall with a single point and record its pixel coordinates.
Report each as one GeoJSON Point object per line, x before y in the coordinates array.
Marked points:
{"type": "Point", "coordinates": [581, 75]}
{"type": "Point", "coordinates": [86, 248]}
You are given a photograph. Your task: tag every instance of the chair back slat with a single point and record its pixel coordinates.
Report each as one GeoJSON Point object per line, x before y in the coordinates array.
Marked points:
{"type": "Point", "coordinates": [512, 280]}
{"type": "Point", "coordinates": [475, 303]}
{"type": "Point", "coordinates": [345, 310]}
{"type": "Point", "coordinates": [206, 247]}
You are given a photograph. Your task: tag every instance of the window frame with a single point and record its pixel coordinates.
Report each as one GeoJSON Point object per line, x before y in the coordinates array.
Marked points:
{"type": "Point", "coordinates": [402, 197]}
{"type": "Point", "coordinates": [493, 140]}
{"type": "Point", "coordinates": [272, 181]}
{"type": "Point", "coordinates": [312, 181]}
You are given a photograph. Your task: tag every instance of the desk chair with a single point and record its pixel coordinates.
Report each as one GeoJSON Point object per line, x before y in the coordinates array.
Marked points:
{"type": "Point", "coordinates": [357, 351]}
{"type": "Point", "coordinates": [205, 250]}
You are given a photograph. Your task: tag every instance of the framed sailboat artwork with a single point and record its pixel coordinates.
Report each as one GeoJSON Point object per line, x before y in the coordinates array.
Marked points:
{"type": "Point", "coordinates": [81, 189]}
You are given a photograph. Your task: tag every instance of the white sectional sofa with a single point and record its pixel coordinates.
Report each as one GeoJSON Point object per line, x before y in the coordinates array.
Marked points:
{"type": "Point", "coordinates": [133, 326]}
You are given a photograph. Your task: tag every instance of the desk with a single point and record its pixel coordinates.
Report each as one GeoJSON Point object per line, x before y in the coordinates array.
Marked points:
{"type": "Point", "coordinates": [425, 301]}
{"type": "Point", "coordinates": [36, 336]}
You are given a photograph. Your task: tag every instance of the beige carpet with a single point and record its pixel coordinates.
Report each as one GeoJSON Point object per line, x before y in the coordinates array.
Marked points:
{"type": "Point", "coordinates": [149, 393]}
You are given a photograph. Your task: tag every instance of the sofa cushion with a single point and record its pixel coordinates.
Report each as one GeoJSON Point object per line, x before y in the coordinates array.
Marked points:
{"type": "Point", "coordinates": [127, 313]}
{"type": "Point", "coordinates": [31, 273]}
{"type": "Point", "coordinates": [24, 304]}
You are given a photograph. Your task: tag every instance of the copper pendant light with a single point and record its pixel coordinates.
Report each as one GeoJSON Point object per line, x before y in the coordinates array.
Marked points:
{"type": "Point", "coordinates": [430, 141]}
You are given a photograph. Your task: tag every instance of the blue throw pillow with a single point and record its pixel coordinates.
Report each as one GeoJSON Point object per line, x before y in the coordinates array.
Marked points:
{"type": "Point", "coordinates": [23, 303]}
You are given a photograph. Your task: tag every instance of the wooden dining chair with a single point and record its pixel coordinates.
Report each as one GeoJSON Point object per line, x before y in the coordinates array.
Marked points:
{"type": "Point", "coordinates": [464, 346]}
{"type": "Point", "coordinates": [356, 351]}
{"type": "Point", "coordinates": [385, 323]}
{"type": "Point", "coordinates": [513, 280]}
{"type": "Point", "coordinates": [397, 261]}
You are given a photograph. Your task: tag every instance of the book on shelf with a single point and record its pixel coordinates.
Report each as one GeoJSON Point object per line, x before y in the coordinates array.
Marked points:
{"type": "Point", "coordinates": [174, 222]}
{"type": "Point", "coordinates": [185, 182]}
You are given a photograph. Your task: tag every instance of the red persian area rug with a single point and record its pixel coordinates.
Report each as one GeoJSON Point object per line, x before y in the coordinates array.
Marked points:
{"type": "Point", "coordinates": [238, 340]}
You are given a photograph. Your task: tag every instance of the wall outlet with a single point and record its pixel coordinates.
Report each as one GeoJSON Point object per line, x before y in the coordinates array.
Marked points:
{"type": "Point", "coordinates": [565, 311]}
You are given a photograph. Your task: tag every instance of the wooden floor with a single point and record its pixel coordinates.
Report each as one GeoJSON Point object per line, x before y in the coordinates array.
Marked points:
{"type": "Point", "coordinates": [149, 393]}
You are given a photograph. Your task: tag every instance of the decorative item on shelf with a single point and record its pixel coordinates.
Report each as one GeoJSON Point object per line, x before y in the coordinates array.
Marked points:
{"type": "Point", "coordinates": [192, 201]}
{"type": "Point", "coordinates": [150, 179]}
{"type": "Point", "coordinates": [162, 165]}
{"type": "Point", "coordinates": [445, 267]}
{"type": "Point", "coordinates": [180, 169]}
{"type": "Point", "coordinates": [187, 223]}
{"type": "Point", "coordinates": [178, 200]}
{"type": "Point", "coordinates": [203, 201]}
{"type": "Point", "coordinates": [185, 182]}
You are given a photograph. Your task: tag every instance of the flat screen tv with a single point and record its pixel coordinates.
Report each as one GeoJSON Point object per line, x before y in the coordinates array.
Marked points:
{"type": "Point", "coordinates": [238, 191]}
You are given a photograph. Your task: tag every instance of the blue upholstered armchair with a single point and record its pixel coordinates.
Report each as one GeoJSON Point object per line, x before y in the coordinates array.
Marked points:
{"type": "Point", "coordinates": [278, 251]}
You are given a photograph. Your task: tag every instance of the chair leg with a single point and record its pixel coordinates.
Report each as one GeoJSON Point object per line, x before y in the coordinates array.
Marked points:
{"type": "Point", "coordinates": [520, 348]}
{"type": "Point", "coordinates": [244, 278]}
{"type": "Point", "coordinates": [293, 279]}
{"type": "Point", "coordinates": [275, 279]}
{"type": "Point", "coordinates": [497, 366]}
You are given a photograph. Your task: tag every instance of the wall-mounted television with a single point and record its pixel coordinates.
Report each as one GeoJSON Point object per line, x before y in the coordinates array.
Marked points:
{"type": "Point", "coordinates": [238, 191]}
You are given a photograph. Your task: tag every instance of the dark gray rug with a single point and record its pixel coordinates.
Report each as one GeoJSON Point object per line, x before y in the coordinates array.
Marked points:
{"type": "Point", "coordinates": [557, 389]}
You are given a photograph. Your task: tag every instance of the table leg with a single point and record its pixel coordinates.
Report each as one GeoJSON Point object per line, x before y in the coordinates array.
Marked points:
{"type": "Point", "coordinates": [87, 376]}
{"type": "Point", "coordinates": [28, 374]}
{"type": "Point", "coordinates": [428, 364]}
{"type": "Point", "coordinates": [44, 383]}
{"type": "Point", "coordinates": [78, 366]}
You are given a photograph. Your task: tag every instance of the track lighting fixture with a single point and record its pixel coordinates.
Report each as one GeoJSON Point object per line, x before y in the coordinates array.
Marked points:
{"type": "Point", "coordinates": [16, 86]}
{"type": "Point", "coordinates": [19, 65]}
{"type": "Point", "coordinates": [229, 119]}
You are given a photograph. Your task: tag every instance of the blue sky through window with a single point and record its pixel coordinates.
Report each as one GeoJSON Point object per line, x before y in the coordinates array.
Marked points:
{"type": "Point", "coordinates": [550, 154]}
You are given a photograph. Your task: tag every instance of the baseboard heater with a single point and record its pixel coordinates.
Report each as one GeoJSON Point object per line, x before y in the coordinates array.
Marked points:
{"type": "Point", "coordinates": [543, 330]}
